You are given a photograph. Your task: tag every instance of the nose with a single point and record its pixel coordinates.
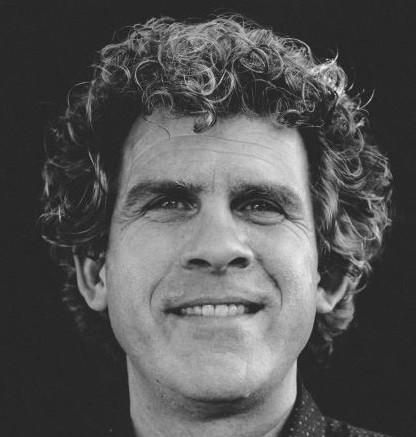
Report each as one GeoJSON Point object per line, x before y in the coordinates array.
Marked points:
{"type": "Point", "coordinates": [217, 245]}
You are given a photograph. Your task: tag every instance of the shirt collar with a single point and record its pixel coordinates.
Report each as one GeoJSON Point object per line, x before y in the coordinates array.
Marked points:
{"type": "Point", "coordinates": [305, 420]}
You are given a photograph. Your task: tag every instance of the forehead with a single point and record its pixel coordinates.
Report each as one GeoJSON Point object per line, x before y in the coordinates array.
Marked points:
{"type": "Point", "coordinates": [163, 146]}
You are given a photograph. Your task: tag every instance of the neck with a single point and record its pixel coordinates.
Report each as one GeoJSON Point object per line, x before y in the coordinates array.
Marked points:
{"type": "Point", "coordinates": [160, 412]}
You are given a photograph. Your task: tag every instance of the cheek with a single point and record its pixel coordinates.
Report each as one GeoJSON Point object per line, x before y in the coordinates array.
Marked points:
{"type": "Point", "coordinates": [287, 256]}
{"type": "Point", "coordinates": [291, 262]}
{"type": "Point", "coordinates": [135, 267]}
{"type": "Point", "coordinates": [138, 259]}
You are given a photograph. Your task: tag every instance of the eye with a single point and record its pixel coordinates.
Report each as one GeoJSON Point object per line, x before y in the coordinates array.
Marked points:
{"type": "Point", "coordinates": [173, 204]}
{"type": "Point", "coordinates": [260, 206]}
{"type": "Point", "coordinates": [261, 211]}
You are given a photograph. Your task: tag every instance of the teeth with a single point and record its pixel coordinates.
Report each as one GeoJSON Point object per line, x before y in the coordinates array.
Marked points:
{"type": "Point", "coordinates": [222, 310]}
{"type": "Point", "coordinates": [208, 310]}
{"type": "Point", "coordinates": [232, 310]}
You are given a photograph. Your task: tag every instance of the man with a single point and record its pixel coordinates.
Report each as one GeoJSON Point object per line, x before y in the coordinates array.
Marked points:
{"type": "Point", "coordinates": [215, 199]}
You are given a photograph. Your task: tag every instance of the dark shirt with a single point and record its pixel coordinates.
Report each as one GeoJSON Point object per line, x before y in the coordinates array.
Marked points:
{"type": "Point", "coordinates": [305, 420]}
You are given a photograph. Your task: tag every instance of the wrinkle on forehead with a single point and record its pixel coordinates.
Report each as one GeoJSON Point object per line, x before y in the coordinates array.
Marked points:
{"type": "Point", "coordinates": [194, 137]}
{"type": "Point", "coordinates": [207, 155]}
{"type": "Point", "coordinates": [165, 128]}
{"type": "Point", "coordinates": [161, 140]}
{"type": "Point", "coordinates": [149, 141]}
{"type": "Point", "coordinates": [221, 151]}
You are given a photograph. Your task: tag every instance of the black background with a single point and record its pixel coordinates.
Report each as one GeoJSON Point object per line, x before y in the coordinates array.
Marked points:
{"type": "Point", "coordinates": [53, 386]}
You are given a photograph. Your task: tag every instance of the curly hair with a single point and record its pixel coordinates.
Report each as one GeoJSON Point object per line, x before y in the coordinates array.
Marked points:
{"type": "Point", "coordinates": [218, 68]}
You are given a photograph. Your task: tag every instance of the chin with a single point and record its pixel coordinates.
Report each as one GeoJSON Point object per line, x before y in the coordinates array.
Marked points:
{"type": "Point", "coordinates": [225, 380]}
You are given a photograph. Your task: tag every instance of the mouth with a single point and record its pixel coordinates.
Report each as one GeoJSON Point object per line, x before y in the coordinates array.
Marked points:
{"type": "Point", "coordinates": [212, 309]}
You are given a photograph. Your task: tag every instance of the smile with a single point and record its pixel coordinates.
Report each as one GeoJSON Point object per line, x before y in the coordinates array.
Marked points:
{"type": "Point", "coordinates": [220, 310]}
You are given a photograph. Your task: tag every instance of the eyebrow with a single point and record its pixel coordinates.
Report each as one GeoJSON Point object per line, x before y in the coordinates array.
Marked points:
{"type": "Point", "coordinates": [147, 188]}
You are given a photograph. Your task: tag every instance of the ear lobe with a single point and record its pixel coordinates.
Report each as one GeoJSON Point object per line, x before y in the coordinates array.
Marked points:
{"type": "Point", "coordinates": [330, 292]}
{"type": "Point", "coordinates": [91, 282]}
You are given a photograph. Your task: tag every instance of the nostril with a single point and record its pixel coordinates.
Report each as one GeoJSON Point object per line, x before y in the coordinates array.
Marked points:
{"type": "Point", "coordinates": [241, 262]}
{"type": "Point", "coordinates": [197, 262]}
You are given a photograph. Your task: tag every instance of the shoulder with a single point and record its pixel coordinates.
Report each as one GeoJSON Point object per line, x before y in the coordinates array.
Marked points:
{"type": "Point", "coordinates": [336, 428]}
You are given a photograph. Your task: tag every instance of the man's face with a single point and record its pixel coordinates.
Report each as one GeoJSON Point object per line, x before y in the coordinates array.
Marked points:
{"type": "Point", "coordinates": [211, 271]}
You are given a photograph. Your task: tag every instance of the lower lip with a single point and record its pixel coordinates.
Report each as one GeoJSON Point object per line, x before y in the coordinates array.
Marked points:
{"type": "Point", "coordinates": [231, 333]}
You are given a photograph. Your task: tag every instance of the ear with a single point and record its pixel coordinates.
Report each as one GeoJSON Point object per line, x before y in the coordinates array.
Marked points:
{"type": "Point", "coordinates": [91, 282]}
{"type": "Point", "coordinates": [330, 291]}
